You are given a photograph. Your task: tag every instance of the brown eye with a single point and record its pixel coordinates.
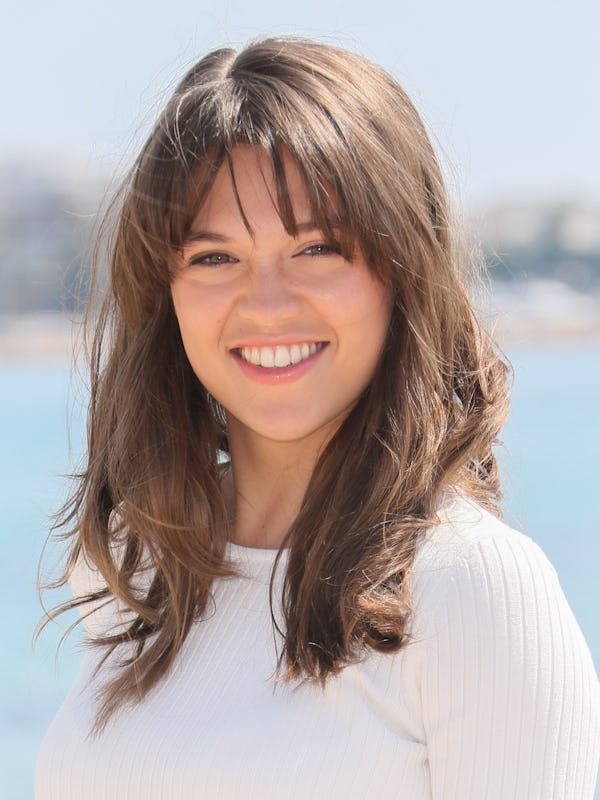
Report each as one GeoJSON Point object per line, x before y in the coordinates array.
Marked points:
{"type": "Point", "coordinates": [212, 260]}
{"type": "Point", "coordinates": [322, 249]}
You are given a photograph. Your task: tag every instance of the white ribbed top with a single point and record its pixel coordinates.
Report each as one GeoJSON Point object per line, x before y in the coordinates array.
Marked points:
{"type": "Point", "coordinates": [495, 696]}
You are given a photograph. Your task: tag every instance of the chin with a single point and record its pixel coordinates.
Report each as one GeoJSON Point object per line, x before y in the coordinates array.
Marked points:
{"type": "Point", "coordinates": [296, 428]}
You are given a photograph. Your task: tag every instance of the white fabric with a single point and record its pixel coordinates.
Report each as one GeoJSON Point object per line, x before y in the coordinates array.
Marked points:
{"type": "Point", "coordinates": [494, 698]}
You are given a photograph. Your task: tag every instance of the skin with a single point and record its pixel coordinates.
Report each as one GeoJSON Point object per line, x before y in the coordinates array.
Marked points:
{"type": "Point", "coordinates": [234, 288]}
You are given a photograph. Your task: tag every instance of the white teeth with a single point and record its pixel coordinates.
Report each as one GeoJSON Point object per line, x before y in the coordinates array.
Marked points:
{"type": "Point", "coordinates": [295, 354]}
{"type": "Point", "coordinates": [279, 356]}
{"type": "Point", "coordinates": [267, 357]}
{"type": "Point", "coordinates": [282, 356]}
{"type": "Point", "coordinates": [251, 354]}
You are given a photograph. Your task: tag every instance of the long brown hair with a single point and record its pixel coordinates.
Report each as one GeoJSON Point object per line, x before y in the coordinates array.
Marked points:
{"type": "Point", "coordinates": [427, 421]}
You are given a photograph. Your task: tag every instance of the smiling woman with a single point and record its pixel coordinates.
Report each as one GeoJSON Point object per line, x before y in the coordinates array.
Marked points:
{"type": "Point", "coordinates": [286, 543]}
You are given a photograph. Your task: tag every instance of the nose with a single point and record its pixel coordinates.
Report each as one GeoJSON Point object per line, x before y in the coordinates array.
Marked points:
{"type": "Point", "coordinates": [269, 296]}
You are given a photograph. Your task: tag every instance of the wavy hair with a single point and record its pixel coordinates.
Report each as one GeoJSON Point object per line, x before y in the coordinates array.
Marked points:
{"type": "Point", "coordinates": [426, 422]}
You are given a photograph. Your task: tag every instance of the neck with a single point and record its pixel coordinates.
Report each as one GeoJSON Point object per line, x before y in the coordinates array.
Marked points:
{"type": "Point", "coordinates": [266, 486]}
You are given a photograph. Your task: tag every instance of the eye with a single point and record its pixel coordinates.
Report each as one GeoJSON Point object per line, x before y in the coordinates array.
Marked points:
{"type": "Point", "coordinates": [322, 249]}
{"type": "Point", "coordinates": [211, 260]}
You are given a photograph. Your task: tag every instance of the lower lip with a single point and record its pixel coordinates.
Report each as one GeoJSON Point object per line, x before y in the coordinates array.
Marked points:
{"type": "Point", "coordinates": [278, 375]}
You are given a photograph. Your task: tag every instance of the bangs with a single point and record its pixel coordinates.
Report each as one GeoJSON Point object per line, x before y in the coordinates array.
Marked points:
{"type": "Point", "coordinates": [325, 207]}
{"type": "Point", "coordinates": [200, 138]}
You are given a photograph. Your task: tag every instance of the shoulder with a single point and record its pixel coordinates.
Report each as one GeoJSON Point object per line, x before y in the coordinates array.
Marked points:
{"type": "Point", "coordinates": [473, 571]}
{"type": "Point", "coordinates": [480, 586]}
{"type": "Point", "coordinates": [470, 542]}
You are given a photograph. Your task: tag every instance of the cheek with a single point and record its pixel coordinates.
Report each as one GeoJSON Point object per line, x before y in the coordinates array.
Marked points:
{"type": "Point", "coordinates": [350, 297]}
{"type": "Point", "coordinates": [363, 330]}
{"type": "Point", "coordinates": [199, 313]}
{"type": "Point", "coordinates": [366, 308]}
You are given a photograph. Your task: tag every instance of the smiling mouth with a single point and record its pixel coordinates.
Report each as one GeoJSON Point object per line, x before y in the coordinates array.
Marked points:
{"type": "Point", "coordinates": [279, 356]}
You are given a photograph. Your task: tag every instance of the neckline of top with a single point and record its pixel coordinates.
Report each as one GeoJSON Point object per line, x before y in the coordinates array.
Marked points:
{"type": "Point", "coordinates": [252, 555]}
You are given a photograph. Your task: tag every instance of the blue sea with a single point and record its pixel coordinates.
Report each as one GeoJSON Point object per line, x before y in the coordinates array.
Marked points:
{"type": "Point", "coordinates": [551, 461]}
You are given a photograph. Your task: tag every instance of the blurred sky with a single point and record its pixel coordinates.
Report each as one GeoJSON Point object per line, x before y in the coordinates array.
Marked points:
{"type": "Point", "coordinates": [510, 89]}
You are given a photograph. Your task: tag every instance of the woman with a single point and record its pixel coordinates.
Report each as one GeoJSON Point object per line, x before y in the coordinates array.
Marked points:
{"type": "Point", "coordinates": [285, 544]}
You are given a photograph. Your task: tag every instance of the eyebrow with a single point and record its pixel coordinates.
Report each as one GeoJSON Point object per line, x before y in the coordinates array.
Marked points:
{"type": "Point", "coordinates": [201, 235]}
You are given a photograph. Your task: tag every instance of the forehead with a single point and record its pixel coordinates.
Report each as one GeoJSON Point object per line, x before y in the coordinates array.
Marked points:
{"type": "Point", "coordinates": [247, 191]}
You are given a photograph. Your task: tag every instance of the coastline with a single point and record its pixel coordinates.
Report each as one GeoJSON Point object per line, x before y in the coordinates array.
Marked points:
{"type": "Point", "coordinates": [42, 336]}
{"type": "Point", "coordinates": [541, 310]}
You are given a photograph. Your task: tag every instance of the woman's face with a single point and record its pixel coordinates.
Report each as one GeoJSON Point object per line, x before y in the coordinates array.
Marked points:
{"type": "Point", "coordinates": [281, 330]}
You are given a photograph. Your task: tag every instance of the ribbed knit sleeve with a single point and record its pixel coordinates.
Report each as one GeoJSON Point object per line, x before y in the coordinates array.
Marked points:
{"type": "Point", "coordinates": [509, 694]}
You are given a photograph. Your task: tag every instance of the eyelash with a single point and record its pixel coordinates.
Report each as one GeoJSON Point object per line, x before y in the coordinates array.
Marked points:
{"type": "Point", "coordinates": [205, 260]}
{"type": "Point", "coordinates": [326, 249]}
{"type": "Point", "coordinates": [323, 249]}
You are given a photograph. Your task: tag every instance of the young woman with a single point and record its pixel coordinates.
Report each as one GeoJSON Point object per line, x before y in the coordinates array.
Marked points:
{"type": "Point", "coordinates": [285, 544]}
